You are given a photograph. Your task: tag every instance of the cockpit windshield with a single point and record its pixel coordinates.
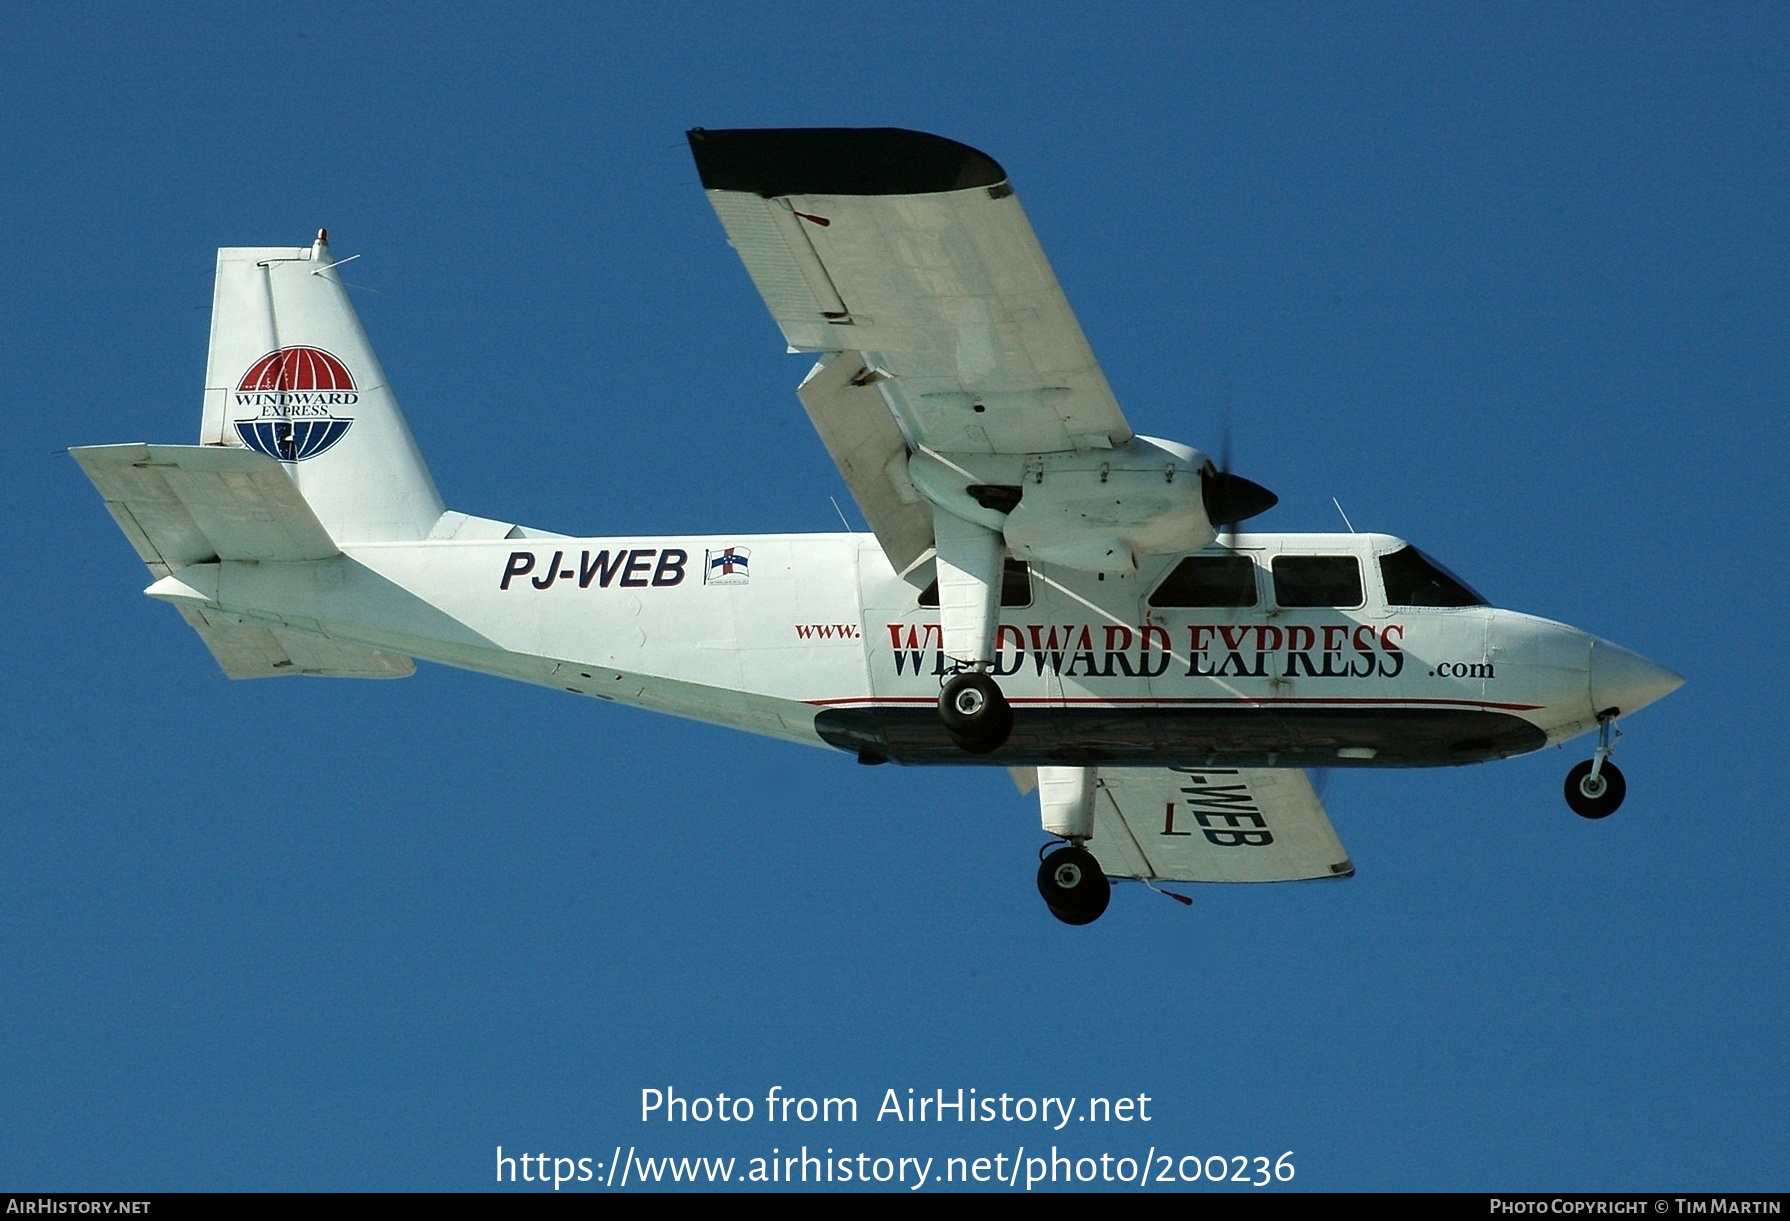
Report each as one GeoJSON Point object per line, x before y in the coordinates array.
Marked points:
{"type": "Point", "coordinates": [1413, 579]}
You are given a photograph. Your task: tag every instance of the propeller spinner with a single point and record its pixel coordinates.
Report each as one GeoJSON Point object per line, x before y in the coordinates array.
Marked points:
{"type": "Point", "coordinates": [1230, 498]}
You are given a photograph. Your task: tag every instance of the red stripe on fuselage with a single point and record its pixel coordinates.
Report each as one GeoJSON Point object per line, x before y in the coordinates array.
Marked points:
{"type": "Point", "coordinates": [1173, 702]}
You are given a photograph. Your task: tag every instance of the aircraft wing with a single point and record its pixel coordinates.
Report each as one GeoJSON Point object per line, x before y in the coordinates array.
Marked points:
{"type": "Point", "coordinates": [912, 252]}
{"type": "Point", "coordinates": [1213, 825]}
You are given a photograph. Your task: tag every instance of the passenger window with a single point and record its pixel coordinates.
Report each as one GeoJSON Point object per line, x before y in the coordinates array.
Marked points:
{"type": "Point", "coordinates": [1413, 579]}
{"type": "Point", "coordinates": [1016, 586]}
{"type": "Point", "coordinates": [1317, 580]}
{"type": "Point", "coordinates": [1208, 580]}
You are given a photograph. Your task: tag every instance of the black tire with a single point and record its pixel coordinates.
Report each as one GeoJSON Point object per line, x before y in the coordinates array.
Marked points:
{"type": "Point", "coordinates": [1597, 804]}
{"type": "Point", "coordinates": [975, 713]}
{"type": "Point", "coordinates": [1073, 886]}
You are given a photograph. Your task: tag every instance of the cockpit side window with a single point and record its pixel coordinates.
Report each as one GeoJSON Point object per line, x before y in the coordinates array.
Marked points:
{"type": "Point", "coordinates": [1016, 586]}
{"type": "Point", "coordinates": [1413, 579]}
{"type": "Point", "coordinates": [1208, 580]}
{"type": "Point", "coordinates": [1317, 580]}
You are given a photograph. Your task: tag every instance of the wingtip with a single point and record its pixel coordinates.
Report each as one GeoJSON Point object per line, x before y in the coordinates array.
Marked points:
{"type": "Point", "coordinates": [779, 161]}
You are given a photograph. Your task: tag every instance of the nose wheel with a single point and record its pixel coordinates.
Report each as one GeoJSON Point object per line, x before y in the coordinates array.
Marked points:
{"type": "Point", "coordinates": [1595, 788]}
{"type": "Point", "coordinates": [975, 713]}
{"type": "Point", "coordinates": [1073, 885]}
{"type": "Point", "coordinates": [1595, 796]}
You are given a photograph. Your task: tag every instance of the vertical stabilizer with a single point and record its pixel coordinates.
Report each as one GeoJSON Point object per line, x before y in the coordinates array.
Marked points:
{"type": "Point", "coordinates": [291, 374]}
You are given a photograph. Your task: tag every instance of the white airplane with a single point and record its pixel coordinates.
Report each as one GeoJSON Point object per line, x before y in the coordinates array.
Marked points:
{"type": "Point", "coordinates": [1044, 589]}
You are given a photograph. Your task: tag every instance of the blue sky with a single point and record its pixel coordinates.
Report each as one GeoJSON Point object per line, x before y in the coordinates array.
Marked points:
{"type": "Point", "coordinates": [1506, 280]}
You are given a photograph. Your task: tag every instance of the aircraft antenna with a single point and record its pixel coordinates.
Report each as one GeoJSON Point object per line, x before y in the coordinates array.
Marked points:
{"type": "Point", "coordinates": [1345, 516]}
{"type": "Point", "coordinates": [841, 512]}
{"type": "Point", "coordinates": [1224, 452]}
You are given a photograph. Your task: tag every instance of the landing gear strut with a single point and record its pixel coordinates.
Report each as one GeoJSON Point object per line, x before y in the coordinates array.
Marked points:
{"type": "Point", "coordinates": [1073, 886]}
{"type": "Point", "coordinates": [1595, 788]}
{"type": "Point", "coordinates": [976, 714]}
{"type": "Point", "coordinates": [969, 558]}
{"type": "Point", "coordinates": [1071, 880]}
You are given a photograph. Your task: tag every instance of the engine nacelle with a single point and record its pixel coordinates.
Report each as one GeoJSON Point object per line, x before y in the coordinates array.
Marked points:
{"type": "Point", "coordinates": [1095, 510]}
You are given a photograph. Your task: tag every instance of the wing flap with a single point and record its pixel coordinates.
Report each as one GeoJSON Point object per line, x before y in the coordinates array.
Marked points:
{"type": "Point", "coordinates": [1214, 825]}
{"type": "Point", "coordinates": [854, 422]}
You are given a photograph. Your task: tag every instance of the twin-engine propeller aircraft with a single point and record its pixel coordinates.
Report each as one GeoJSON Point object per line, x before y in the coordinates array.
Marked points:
{"type": "Point", "coordinates": [1044, 588]}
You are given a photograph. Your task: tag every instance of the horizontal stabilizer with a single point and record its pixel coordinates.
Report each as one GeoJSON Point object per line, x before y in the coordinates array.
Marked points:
{"type": "Point", "coordinates": [182, 505]}
{"type": "Point", "coordinates": [260, 652]}
{"type": "Point", "coordinates": [195, 504]}
{"type": "Point", "coordinates": [1213, 825]}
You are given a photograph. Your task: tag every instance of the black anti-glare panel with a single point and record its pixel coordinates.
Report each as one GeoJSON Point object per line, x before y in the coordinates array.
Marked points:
{"type": "Point", "coordinates": [773, 161]}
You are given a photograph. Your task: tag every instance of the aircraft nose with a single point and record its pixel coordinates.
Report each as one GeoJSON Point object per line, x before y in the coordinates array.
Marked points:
{"type": "Point", "coordinates": [1627, 681]}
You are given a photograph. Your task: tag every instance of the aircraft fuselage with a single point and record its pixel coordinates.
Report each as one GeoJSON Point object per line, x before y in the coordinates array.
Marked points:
{"type": "Point", "coordinates": [813, 638]}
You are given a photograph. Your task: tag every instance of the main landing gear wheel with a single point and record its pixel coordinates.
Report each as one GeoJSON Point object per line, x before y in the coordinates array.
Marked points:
{"type": "Point", "coordinates": [976, 714]}
{"type": "Point", "coordinates": [1073, 886]}
{"type": "Point", "coordinates": [1595, 796]}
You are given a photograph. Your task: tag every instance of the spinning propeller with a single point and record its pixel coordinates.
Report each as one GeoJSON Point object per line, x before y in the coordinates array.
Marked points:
{"type": "Point", "coordinates": [1230, 498]}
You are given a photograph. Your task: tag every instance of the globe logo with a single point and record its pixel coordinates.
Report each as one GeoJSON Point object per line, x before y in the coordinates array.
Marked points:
{"type": "Point", "coordinates": [292, 404]}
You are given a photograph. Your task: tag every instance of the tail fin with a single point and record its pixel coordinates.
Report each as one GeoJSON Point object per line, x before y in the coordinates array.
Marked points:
{"type": "Point", "coordinates": [291, 374]}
